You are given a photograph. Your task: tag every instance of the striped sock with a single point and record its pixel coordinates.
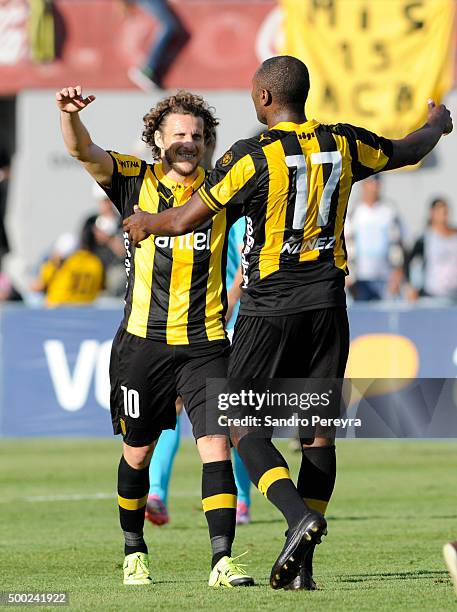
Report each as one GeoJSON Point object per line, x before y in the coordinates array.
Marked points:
{"type": "Point", "coordinates": [270, 473]}
{"type": "Point", "coordinates": [316, 481]}
{"type": "Point", "coordinates": [132, 489]}
{"type": "Point", "coordinates": [219, 506]}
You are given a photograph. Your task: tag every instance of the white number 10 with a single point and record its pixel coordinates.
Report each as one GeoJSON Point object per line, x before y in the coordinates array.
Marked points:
{"type": "Point", "coordinates": [131, 402]}
{"type": "Point", "coordinates": [301, 197]}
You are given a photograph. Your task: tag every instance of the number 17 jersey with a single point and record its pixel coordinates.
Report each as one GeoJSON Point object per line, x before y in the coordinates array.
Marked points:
{"type": "Point", "coordinates": [294, 182]}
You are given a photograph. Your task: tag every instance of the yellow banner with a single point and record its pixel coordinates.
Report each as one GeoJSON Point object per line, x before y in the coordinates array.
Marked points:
{"type": "Point", "coordinates": [373, 63]}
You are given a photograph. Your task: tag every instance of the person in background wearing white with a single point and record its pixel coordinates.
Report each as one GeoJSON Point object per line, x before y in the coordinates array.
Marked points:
{"type": "Point", "coordinates": [375, 246]}
{"type": "Point", "coordinates": [436, 249]}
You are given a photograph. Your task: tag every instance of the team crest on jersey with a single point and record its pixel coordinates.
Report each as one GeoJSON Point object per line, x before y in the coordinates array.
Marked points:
{"type": "Point", "coordinates": [227, 158]}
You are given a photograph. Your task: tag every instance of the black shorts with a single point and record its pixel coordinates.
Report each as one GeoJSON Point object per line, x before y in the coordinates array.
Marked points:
{"type": "Point", "coordinates": [313, 344]}
{"type": "Point", "coordinates": [309, 344]}
{"type": "Point", "coordinates": [147, 376]}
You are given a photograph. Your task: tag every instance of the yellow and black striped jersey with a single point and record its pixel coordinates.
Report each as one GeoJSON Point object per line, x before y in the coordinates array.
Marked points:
{"type": "Point", "coordinates": [79, 279]}
{"type": "Point", "coordinates": [175, 286]}
{"type": "Point", "coordinates": [294, 183]}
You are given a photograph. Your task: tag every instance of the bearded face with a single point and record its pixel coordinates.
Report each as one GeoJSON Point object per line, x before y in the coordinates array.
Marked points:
{"type": "Point", "coordinates": [181, 143]}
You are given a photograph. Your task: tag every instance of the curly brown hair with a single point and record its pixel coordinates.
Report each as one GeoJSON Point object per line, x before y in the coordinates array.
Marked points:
{"type": "Point", "coordinates": [184, 103]}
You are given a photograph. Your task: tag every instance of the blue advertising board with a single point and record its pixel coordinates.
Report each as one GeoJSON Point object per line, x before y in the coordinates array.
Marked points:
{"type": "Point", "coordinates": [54, 371]}
{"type": "Point", "coordinates": [54, 363]}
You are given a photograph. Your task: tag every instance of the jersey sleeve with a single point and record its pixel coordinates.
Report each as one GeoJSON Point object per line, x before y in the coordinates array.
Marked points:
{"type": "Point", "coordinates": [232, 181]}
{"type": "Point", "coordinates": [370, 152]}
{"type": "Point", "coordinates": [127, 171]}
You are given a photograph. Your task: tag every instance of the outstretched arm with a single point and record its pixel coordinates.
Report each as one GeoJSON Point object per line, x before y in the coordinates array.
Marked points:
{"type": "Point", "coordinates": [223, 188]}
{"type": "Point", "coordinates": [171, 222]}
{"type": "Point", "coordinates": [414, 147]}
{"type": "Point", "coordinates": [77, 139]}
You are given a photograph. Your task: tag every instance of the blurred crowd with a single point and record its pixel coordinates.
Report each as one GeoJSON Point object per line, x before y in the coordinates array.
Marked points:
{"type": "Point", "coordinates": [81, 267]}
{"type": "Point", "coordinates": [382, 267]}
{"type": "Point", "coordinates": [170, 36]}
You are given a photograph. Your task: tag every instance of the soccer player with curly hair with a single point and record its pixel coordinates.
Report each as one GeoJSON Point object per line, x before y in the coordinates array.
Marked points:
{"type": "Point", "coordinates": [172, 336]}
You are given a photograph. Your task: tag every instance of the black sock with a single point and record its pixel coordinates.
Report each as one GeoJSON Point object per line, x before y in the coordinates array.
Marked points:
{"type": "Point", "coordinates": [270, 473]}
{"type": "Point", "coordinates": [316, 481]}
{"type": "Point", "coordinates": [132, 489]}
{"type": "Point", "coordinates": [219, 504]}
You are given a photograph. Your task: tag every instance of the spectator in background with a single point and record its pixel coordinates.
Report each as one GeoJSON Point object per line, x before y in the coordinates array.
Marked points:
{"type": "Point", "coordinates": [437, 251]}
{"type": "Point", "coordinates": [4, 180]}
{"type": "Point", "coordinates": [41, 30]}
{"type": "Point", "coordinates": [8, 293]}
{"type": "Point", "coordinates": [73, 275]}
{"type": "Point", "coordinates": [374, 244]}
{"type": "Point", "coordinates": [168, 41]}
{"type": "Point", "coordinates": [108, 243]}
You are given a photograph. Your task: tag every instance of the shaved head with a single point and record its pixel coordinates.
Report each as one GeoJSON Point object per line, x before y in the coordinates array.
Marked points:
{"type": "Point", "coordinates": [281, 82]}
{"type": "Point", "coordinates": [286, 77]}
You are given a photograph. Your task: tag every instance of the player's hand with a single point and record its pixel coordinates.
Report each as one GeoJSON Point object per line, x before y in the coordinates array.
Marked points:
{"type": "Point", "coordinates": [439, 116]}
{"type": "Point", "coordinates": [136, 226]}
{"type": "Point", "coordinates": [412, 294]}
{"type": "Point", "coordinates": [395, 281]}
{"type": "Point", "coordinates": [70, 99]}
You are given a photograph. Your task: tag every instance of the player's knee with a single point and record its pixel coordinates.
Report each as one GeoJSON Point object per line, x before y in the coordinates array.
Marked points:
{"type": "Point", "coordinates": [237, 434]}
{"type": "Point", "coordinates": [138, 457]}
{"type": "Point", "coordinates": [179, 404]}
{"type": "Point", "coordinates": [317, 441]}
{"type": "Point", "coordinates": [213, 448]}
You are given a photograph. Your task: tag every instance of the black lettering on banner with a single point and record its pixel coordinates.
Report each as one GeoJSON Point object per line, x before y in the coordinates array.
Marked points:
{"type": "Point", "coordinates": [329, 98]}
{"type": "Point", "coordinates": [380, 50]}
{"type": "Point", "coordinates": [358, 92]}
{"type": "Point", "coordinates": [404, 100]}
{"type": "Point", "coordinates": [326, 5]}
{"type": "Point", "coordinates": [347, 55]}
{"type": "Point", "coordinates": [414, 22]}
{"type": "Point", "coordinates": [365, 18]}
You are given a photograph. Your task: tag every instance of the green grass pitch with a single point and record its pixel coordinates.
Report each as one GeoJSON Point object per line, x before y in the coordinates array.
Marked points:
{"type": "Point", "coordinates": [394, 506]}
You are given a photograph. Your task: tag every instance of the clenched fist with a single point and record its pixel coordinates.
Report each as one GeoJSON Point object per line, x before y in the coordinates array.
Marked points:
{"type": "Point", "coordinates": [439, 115]}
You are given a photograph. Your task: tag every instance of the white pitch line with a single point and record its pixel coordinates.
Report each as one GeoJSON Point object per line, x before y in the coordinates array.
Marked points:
{"type": "Point", "coordinates": [74, 497]}
{"type": "Point", "coordinates": [71, 497]}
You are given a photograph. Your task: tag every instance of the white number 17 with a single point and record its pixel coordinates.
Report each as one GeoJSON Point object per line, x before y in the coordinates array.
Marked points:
{"type": "Point", "coordinates": [301, 197]}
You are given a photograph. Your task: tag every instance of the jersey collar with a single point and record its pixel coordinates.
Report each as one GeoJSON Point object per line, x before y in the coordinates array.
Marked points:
{"type": "Point", "coordinates": [175, 186]}
{"type": "Point", "coordinates": [289, 126]}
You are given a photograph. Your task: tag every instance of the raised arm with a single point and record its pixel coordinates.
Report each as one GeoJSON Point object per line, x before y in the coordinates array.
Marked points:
{"type": "Point", "coordinates": [77, 139]}
{"type": "Point", "coordinates": [171, 222]}
{"type": "Point", "coordinates": [415, 146]}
